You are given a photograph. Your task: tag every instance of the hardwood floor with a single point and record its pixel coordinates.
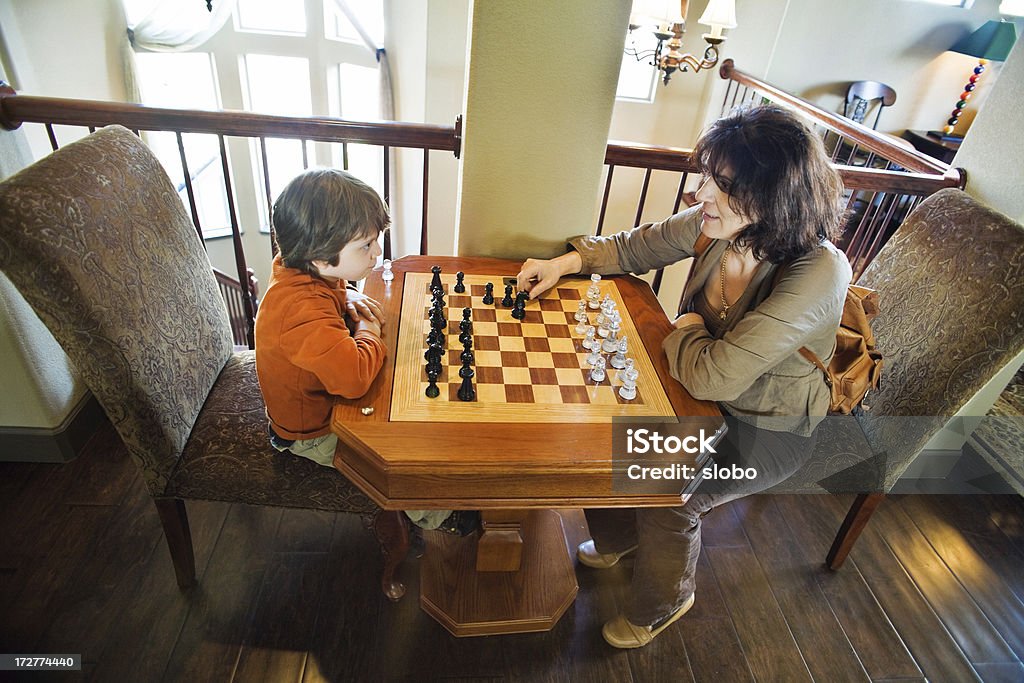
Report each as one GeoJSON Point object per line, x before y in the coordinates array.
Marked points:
{"type": "Point", "coordinates": [934, 590]}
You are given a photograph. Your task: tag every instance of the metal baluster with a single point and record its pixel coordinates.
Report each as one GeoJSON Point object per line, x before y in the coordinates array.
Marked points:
{"type": "Point", "coordinates": [270, 200]}
{"type": "Point", "coordinates": [604, 199]}
{"type": "Point", "coordinates": [188, 187]}
{"type": "Point", "coordinates": [236, 239]}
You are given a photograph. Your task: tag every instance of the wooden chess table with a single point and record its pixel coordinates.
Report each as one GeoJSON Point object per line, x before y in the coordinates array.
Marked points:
{"type": "Point", "coordinates": [537, 437]}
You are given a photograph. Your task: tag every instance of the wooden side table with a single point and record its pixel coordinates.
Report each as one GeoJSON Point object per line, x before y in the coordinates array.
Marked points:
{"type": "Point", "coordinates": [943, 150]}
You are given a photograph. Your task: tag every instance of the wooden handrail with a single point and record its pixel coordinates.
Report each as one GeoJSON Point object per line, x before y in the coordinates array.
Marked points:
{"type": "Point", "coordinates": [864, 137]}
{"type": "Point", "coordinates": [16, 109]}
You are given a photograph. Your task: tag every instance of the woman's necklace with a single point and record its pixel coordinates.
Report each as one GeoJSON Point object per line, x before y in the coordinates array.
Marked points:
{"type": "Point", "coordinates": [725, 304]}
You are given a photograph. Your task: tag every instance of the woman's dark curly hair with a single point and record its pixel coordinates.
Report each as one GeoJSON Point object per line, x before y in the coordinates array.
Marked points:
{"type": "Point", "coordinates": [777, 175]}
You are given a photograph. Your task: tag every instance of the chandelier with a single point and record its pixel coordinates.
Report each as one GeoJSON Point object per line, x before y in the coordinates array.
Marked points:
{"type": "Point", "coordinates": [668, 27]}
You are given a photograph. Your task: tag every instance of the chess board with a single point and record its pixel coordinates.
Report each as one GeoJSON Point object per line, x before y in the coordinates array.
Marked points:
{"type": "Point", "coordinates": [520, 366]}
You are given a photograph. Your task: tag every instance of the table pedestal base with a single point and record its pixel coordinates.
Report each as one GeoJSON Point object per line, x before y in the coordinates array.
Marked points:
{"type": "Point", "coordinates": [469, 602]}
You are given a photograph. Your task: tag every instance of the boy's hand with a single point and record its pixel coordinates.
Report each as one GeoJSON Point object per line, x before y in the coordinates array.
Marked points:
{"type": "Point", "coordinates": [537, 276]}
{"type": "Point", "coordinates": [369, 326]}
{"type": "Point", "coordinates": [361, 307]}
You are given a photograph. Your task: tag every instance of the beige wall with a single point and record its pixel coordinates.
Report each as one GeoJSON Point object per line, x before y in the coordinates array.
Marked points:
{"type": "Point", "coordinates": [535, 130]}
{"type": "Point", "coordinates": [993, 153]}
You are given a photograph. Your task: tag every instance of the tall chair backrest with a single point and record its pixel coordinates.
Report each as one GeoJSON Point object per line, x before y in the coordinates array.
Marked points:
{"type": "Point", "coordinates": [98, 242]}
{"type": "Point", "coordinates": [951, 285]}
{"type": "Point", "coordinates": [862, 95]}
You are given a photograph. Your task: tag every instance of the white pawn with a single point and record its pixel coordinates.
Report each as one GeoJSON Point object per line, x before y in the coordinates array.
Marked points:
{"type": "Point", "coordinates": [595, 356]}
{"type": "Point", "coordinates": [589, 341]}
{"type": "Point", "coordinates": [594, 292]}
{"type": "Point", "coordinates": [628, 378]}
{"type": "Point", "coordinates": [597, 372]}
{"type": "Point", "coordinates": [581, 312]}
{"type": "Point", "coordinates": [618, 361]}
{"type": "Point", "coordinates": [628, 373]}
{"type": "Point", "coordinates": [387, 275]}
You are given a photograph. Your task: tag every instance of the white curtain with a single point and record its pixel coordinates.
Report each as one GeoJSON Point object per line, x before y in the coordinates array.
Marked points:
{"type": "Point", "coordinates": [387, 96]}
{"type": "Point", "coordinates": [167, 26]}
{"type": "Point", "coordinates": [174, 25]}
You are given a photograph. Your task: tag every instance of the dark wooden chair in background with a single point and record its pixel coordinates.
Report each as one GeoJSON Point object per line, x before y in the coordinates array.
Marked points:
{"type": "Point", "coordinates": [99, 244]}
{"type": "Point", "coordinates": [863, 96]}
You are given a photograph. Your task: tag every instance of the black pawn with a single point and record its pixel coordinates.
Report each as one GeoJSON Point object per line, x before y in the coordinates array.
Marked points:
{"type": "Point", "coordinates": [435, 282]}
{"type": "Point", "coordinates": [467, 357]}
{"type": "Point", "coordinates": [460, 288]}
{"type": "Point", "coordinates": [466, 390]}
{"type": "Point", "coordinates": [466, 327]}
{"type": "Point", "coordinates": [488, 294]}
{"type": "Point", "coordinates": [507, 300]}
{"type": "Point", "coordinates": [432, 390]}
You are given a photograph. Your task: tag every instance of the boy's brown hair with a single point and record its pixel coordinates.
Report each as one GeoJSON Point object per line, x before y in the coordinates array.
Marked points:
{"type": "Point", "coordinates": [322, 210]}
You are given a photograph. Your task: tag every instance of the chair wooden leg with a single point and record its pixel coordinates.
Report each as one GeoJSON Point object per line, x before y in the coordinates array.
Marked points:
{"type": "Point", "coordinates": [856, 519]}
{"type": "Point", "coordinates": [174, 519]}
{"type": "Point", "coordinates": [391, 527]}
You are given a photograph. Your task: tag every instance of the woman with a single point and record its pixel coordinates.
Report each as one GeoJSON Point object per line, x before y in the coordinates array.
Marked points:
{"type": "Point", "coordinates": [770, 282]}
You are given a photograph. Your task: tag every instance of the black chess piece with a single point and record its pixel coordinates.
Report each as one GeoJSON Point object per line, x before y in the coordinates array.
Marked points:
{"type": "Point", "coordinates": [460, 287]}
{"type": "Point", "coordinates": [467, 313]}
{"type": "Point", "coordinates": [437, 319]}
{"type": "Point", "coordinates": [507, 300]}
{"type": "Point", "coordinates": [519, 307]}
{"type": "Point", "coordinates": [466, 391]}
{"type": "Point", "coordinates": [436, 336]}
{"type": "Point", "coordinates": [467, 356]}
{"type": "Point", "coordinates": [435, 282]}
{"type": "Point", "coordinates": [489, 294]}
{"type": "Point", "coordinates": [432, 390]}
{"type": "Point", "coordinates": [466, 326]}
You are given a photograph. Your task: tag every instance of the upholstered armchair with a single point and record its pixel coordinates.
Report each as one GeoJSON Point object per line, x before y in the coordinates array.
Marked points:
{"type": "Point", "coordinates": [951, 287]}
{"type": "Point", "coordinates": [98, 242]}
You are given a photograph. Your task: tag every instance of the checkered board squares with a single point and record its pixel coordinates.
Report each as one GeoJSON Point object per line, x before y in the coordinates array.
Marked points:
{"type": "Point", "coordinates": [534, 370]}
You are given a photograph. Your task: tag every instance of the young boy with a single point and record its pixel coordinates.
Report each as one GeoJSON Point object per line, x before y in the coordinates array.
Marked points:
{"type": "Point", "coordinates": [327, 223]}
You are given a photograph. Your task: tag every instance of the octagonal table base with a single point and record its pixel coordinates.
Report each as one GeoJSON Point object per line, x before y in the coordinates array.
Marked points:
{"type": "Point", "coordinates": [460, 588]}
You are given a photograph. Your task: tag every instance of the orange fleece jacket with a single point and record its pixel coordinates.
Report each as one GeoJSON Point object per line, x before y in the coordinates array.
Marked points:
{"type": "Point", "coordinates": [305, 355]}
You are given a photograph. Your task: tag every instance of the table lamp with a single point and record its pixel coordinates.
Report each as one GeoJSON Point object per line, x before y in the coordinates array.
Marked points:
{"type": "Point", "coordinates": [991, 42]}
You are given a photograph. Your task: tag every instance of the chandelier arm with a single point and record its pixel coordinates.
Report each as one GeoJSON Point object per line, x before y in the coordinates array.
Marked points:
{"type": "Point", "coordinates": [710, 59]}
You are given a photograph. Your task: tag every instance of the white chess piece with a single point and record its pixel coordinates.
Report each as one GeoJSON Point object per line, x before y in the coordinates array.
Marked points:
{"type": "Point", "coordinates": [611, 343]}
{"type": "Point", "coordinates": [589, 342]}
{"type": "Point", "coordinates": [581, 311]}
{"type": "Point", "coordinates": [628, 377]}
{"type": "Point", "coordinates": [618, 361]}
{"type": "Point", "coordinates": [597, 373]}
{"type": "Point", "coordinates": [595, 356]}
{"type": "Point", "coordinates": [387, 275]}
{"type": "Point", "coordinates": [594, 292]}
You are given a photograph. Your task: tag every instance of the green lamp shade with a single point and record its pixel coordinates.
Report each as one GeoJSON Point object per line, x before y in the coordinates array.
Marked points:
{"type": "Point", "coordinates": [992, 41]}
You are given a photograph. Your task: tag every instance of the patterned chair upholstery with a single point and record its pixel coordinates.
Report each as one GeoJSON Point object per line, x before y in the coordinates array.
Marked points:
{"type": "Point", "coordinates": [951, 286]}
{"type": "Point", "coordinates": [99, 244]}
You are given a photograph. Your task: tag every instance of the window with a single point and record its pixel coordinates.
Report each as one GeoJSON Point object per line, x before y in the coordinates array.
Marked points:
{"type": "Point", "coordinates": [638, 80]}
{"type": "Point", "coordinates": [285, 57]}
{"type": "Point", "coordinates": [187, 81]}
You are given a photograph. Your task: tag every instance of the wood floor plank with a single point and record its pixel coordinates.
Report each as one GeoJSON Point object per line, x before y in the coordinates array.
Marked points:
{"type": "Point", "coordinates": [304, 531]}
{"type": "Point", "coordinates": [712, 645]}
{"type": "Point", "coordinates": [869, 630]}
{"type": "Point", "coordinates": [1008, 514]}
{"type": "Point", "coordinates": [108, 572]}
{"type": "Point", "coordinates": [146, 629]}
{"type": "Point", "coordinates": [962, 617]}
{"type": "Point", "coordinates": [1001, 673]}
{"type": "Point", "coordinates": [823, 643]}
{"type": "Point", "coordinates": [996, 601]}
{"type": "Point", "coordinates": [721, 528]}
{"type": "Point", "coordinates": [275, 646]}
{"type": "Point", "coordinates": [231, 576]}
{"type": "Point", "coordinates": [933, 648]}
{"type": "Point", "coordinates": [984, 535]}
{"type": "Point", "coordinates": [771, 651]}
